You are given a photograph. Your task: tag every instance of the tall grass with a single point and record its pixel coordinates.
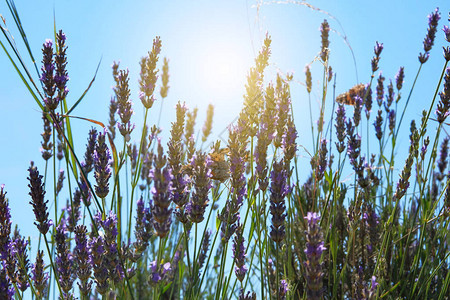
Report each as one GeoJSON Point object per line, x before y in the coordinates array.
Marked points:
{"type": "Point", "coordinates": [147, 220]}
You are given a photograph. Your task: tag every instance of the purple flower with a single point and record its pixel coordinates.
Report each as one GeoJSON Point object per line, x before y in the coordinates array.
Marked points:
{"type": "Point", "coordinates": [38, 275]}
{"type": "Point", "coordinates": [377, 124]}
{"type": "Point", "coordinates": [111, 260]}
{"type": "Point", "coordinates": [47, 76]}
{"type": "Point", "coordinates": [239, 254]}
{"type": "Point", "coordinates": [443, 106]}
{"type": "Point", "coordinates": [289, 144]}
{"type": "Point", "coordinates": [37, 194]}
{"type": "Point", "coordinates": [380, 89]}
{"type": "Point", "coordinates": [357, 111]}
{"type": "Point", "coordinates": [159, 272]}
{"type": "Point", "coordinates": [201, 174]}
{"type": "Point", "coordinates": [340, 128]}
{"type": "Point", "coordinates": [161, 191]}
{"type": "Point", "coordinates": [124, 105]}
{"type": "Point", "coordinates": [279, 189]}
{"type": "Point", "coordinates": [246, 296]}
{"type": "Point", "coordinates": [149, 76]}
{"type": "Point", "coordinates": [102, 166]}
{"type": "Point", "coordinates": [391, 119]}
{"type": "Point", "coordinates": [23, 264]}
{"type": "Point", "coordinates": [322, 159]}
{"type": "Point", "coordinates": [81, 257]}
{"type": "Point", "coordinates": [353, 144]}
{"type": "Point", "coordinates": [5, 224]}
{"type": "Point", "coordinates": [143, 229]}
{"type": "Point", "coordinates": [73, 210]}
{"type": "Point", "coordinates": [175, 156]}
{"type": "Point", "coordinates": [204, 249]}
{"type": "Point", "coordinates": [99, 266]}
{"type": "Point", "coordinates": [6, 289]}
{"type": "Point", "coordinates": [428, 42]}
{"type": "Point", "coordinates": [61, 76]}
{"type": "Point", "coordinates": [89, 154]}
{"type": "Point", "coordinates": [377, 51]}
{"type": "Point", "coordinates": [284, 288]}
{"type": "Point", "coordinates": [64, 259]}
{"type": "Point", "coordinates": [314, 249]}
{"type": "Point", "coordinates": [399, 78]}
{"type": "Point", "coordinates": [236, 157]}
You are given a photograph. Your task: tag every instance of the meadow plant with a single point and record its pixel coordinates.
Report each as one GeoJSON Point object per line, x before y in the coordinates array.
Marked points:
{"type": "Point", "coordinates": [145, 219]}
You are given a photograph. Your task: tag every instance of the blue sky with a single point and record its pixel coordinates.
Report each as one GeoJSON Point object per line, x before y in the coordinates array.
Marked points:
{"type": "Point", "coordinates": [199, 37]}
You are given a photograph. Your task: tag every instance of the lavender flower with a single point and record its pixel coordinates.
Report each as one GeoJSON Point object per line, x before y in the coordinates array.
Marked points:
{"type": "Point", "coordinates": [175, 156]}
{"type": "Point", "coordinates": [380, 89]}
{"type": "Point", "coordinates": [162, 179]}
{"type": "Point", "coordinates": [246, 296]}
{"type": "Point", "coordinates": [81, 258]}
{"type": "Point", "coordinates": [38, 276]}
{"type": "Point", "coordinates": [159, 272]}
{"type": "Point", "coordinates": [289, 144]}
{"type": "Point", "coordinates": [204, 249]}
{"type": "Point", "coordinates": [377, 124]}
{"type": "Point", "coordinates": [111, 260]}
{"type": "Point", "coordinates": [230, 212]}
{"type": "Point", "coordinates": [102, 168]}
{"type": "Point", "coordinates": [37, 194]}
{"type": "Point", "coordinates": [283, 106]}
{"type": "Point", "coordinates": [165, 79]}
{"type": "Point", "coordinates": [143, 229]}
{"type": "Point", "coordinates": [124, 104]}
{"type": "Point", "coordinates": [112, 119]}
{"type": "Point", "coordinates": [149, 75]}
{"type": "Point", "coordinates": [279, 189]}
{"type": "Point", "coordinates": [6, 290]}
{"type": "Point", "coordinates": [284, 288]}
{"type": "Point", "coordinates": [64, 259]}
{"type": "Point", "coordinates": [47, 146]}
{"type": "Point", "coordinates": [428, 42]}
{"type": "Point", "coordinates": [391, 120]}
{"type": "Point", "coordinates": [340, 128]}
{"type": "Point", "coordinates": [239, 254]}
{"type": "Point", "coordinates": [89, 154]}
{"type": "Point", "coordinates": [403, 182]}
{"type": "Point", "coordinates": [208, 123]}
{"type": "Point", "coordinates": [324, 34]}
{"type": "Point", "coordinates": [73, 210]}
{"type": "Point", "coordinates": [353, 144]}
{"type": "Point", "coordinates": [47, 77]}
{"type": "Point", "coordinates": [399, 78]}
{"type": "Point", "coordinates": [322, 159]}
{"type": "Point", "coordinates": [375, 60]}
{"type": "Point", "coordinates": [368, 101]}
{"type": "Point", "coordinates": [99, 264]}
{"type": "Point", "coordinates": [5, 224]}
{"type": "Point", "coordinates": [443, 106]}
{"type": "Point", "coordinates": [260, 155]}
{"type": "Point", "coordinates": [357, 111]}
{"type": "Point", "coordinates": [59, 183]}
{"type": "Point", "coordinates": [23, 264]}
{"type": "Point", "coordinates": [201, 174]}
{"type": "Point", "coordinates": [443, 159]}
{"type": "Point", "coordinates": [314, 249]}
{"type": "Point", "coordinates": [61, 76]}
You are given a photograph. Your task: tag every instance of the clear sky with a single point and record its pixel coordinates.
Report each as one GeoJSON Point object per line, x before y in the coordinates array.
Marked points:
{"type": "Point", "coordinates": [210, 45]}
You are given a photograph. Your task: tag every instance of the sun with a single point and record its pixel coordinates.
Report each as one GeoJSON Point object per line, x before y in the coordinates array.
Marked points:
{"type": "Point", "coordinates": [223, 66]}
